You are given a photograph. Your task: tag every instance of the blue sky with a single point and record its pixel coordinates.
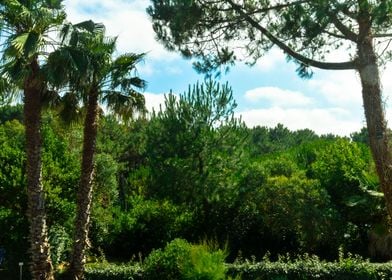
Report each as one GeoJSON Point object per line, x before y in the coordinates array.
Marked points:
{"type": "Point", "coordinates": [268, 93]}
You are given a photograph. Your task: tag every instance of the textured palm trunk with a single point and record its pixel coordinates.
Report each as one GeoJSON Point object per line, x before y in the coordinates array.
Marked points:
{"type": "Point", "coordinates": [374, 110]}
{"type": "Point", "coordinates": [84, 195]}
{"type": "Point", "coordinates": [40, 266]}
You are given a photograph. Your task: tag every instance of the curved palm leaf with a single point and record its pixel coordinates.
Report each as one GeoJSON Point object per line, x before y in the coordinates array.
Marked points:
{"type": "Point", "coordinates": [125, 105]}
{"type": "Point", "coordinates": [8, 91]}
{"type": "Point", "coordinates": [70, 110]}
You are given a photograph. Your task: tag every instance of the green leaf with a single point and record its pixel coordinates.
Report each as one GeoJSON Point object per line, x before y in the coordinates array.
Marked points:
{"type": "Point", "coordinates": [19, 42]}
{"type": "Point", "coordinates": [355, 200]}
{"type": "Point", "coordinates": [32, 43]}
{"type": "Point", "coordinates": [79, 59]}
{"type": "Point", "coordinates": [375, 193]}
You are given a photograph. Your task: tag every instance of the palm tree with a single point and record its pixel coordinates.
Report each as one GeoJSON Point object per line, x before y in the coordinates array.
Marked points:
{"type": "Point", "coordinates": [95, 78]}
{"type": "Point", "coordinates": [25, 27]}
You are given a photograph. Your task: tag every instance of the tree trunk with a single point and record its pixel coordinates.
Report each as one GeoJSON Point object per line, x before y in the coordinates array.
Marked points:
{"type": "Point", "coordinates": [84, 196]}
{"type": "Point", "coordinates": [41, 265]}
{"type": "Point", "coordinates": [374, 110]}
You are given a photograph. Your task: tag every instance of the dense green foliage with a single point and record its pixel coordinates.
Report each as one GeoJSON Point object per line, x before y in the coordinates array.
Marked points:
{"type": "Point", "coordinates": [193, 171]}
{"type": "Point", "coordinates": [190, 171]}
{"type": "Point", "coordinates": [181, 260]}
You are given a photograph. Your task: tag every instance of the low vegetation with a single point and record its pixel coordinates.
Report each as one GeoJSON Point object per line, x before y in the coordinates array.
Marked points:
{"type": "Point", "coordinates": [169, 264]}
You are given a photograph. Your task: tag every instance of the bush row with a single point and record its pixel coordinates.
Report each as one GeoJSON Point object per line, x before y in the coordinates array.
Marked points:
{"type": "Point", "coordinates": [181, 260]}
{"type": "Point", "coordinates": [103, 271]}
{"type": "Point", "coordinates": [347, 269]}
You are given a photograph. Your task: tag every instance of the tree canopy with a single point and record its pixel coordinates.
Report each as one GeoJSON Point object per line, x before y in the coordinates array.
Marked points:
{"type": "Point", "coordinates": [220, 32]}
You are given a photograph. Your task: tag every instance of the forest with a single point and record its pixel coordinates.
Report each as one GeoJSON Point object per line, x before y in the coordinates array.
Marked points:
{"type": "Point", "coordinates": [193, 171]}
{"type": "Point", "coordinates": [95, 186]}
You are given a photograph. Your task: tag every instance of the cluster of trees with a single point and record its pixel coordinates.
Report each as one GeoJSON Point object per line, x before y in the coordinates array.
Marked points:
{"type": "Point", "coordinates": [74, 73]}
{"type": "Point", "coordinates": [192, 170]}
{"type": "Point", "coordinates": [219, 32]}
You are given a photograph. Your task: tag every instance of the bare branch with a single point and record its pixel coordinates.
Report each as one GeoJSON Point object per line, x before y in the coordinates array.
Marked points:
{"type": "Point", "coordinates": [334, 34]}
{"type": "Point", "coordinates": [344, 29]}
{"type": "Point", "coordinates": [277, 7]}
{"type": "Point", "coordinates": [382, 35]}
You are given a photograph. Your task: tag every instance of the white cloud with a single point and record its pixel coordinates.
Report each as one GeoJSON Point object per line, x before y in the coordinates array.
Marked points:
{"type": "Point", "coordinates": [154, 101]}
{"type": "Point", "coordinates": [386, 74]}
{"type": "Point", "coordinates": [339, 88]}
{"type": "Point", "coordinates": [322, 121]}
{"type": "Point", "coordinates": [343, 89]}
{"type": "Point", "coordinates": [145, 69]}
{"type": "Point", "coordinates": [272, 60]}
{"type": "Point", "coordinates": [126, 19]}
{"type": "Point", "coordinates": [335, 107]}
{"type": "Point", "coordinates": [346, 52]}
{"type": "Point", "coordinates": [278, 97]}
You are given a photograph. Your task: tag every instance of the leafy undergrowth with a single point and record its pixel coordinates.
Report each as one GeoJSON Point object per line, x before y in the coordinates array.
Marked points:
{"type": "Point", "coordinates": [307, 267]}
{"type": "Point", "coordinates": [101, 271]}
{"type": "Point", "coordinates": [183, 261]}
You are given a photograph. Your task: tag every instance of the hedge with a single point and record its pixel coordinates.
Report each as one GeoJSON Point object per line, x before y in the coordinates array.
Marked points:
{"type": "Point", "coordinates": [283, 269]}
{"type": "Point", "coordinates": [106, 271]}
{"type": "Point", "coordinates": [348, 269]}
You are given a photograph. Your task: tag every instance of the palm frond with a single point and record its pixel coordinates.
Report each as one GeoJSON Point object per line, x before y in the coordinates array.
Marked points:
{"type": "Point", "coordinates": [126, 106]}
{"type": "Point", "coordinates": [65, 31]}
{"type": "Point", "coordinates": [76, 34]}
{"type": "Point", "coordinates": [19, 42]}
{"type": "Point", "coordinates": [90, 26]}
{"type": "Point", "coordinates": [9, 91]}
{"type": "Point", "coordinates": [79, 59]}
{"type": "Point", "coordinates": [127, 62]}
{"type": "Point", "coordinates": [126, 83]}
{"type": "Point", "coordinates": [50, 98]}
{"type": "Point", "coordinates": [25, 33]}
{"type": "Point", "coordinates": [70, 110]}
{"type": "Point", "coordinates": [31, 45]}
{"type": "Point", "coordinates": [121, 70]}
{"type": "Point", "coordinates": [15, 69]}
{"type": "Point", "coordinates": [88, 54]}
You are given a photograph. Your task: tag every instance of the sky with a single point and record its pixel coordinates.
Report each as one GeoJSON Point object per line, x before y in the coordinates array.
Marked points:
{"type": "Point", "coordinates": [268, 93]}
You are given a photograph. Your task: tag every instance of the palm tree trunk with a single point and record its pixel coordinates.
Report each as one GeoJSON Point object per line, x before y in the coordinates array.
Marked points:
{"type": "Point", "coordinates": [84, 196]}
{"type": "Point", "coordinates": [374, 110]}
{"type": "Point", "coordinates": [41, 265]}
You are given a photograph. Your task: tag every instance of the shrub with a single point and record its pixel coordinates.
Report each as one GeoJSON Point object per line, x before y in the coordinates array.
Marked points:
{"type": "Point", "coordinates": [204, 263]}
{"type": "Point", "coordinates": [107, 271]}
{"type": "Point", "coordinates": [181, 260]}
{"type": "Point", "coordinates": [165, 264]}
{"type": "Point", "coordinates": [60, 242]}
